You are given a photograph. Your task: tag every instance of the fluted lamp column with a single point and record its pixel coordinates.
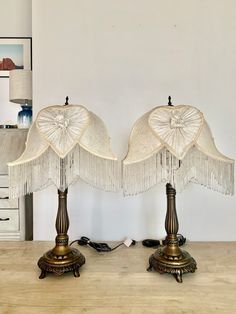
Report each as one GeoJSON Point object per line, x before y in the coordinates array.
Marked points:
{"type": "Point", "coordinates": [65, 143]}
{"type": "Point", "coordinates": [62, 258]}
{"type": "Point", "coordinates": [174, 145]}
{"type": "Point", "coordinates": [171, 259]}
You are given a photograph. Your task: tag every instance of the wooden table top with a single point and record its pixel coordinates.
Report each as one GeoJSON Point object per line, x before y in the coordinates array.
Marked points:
{"type": "Point", "coordinates": [117, 282]}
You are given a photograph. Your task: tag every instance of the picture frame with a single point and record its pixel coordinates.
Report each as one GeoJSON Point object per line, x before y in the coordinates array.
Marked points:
{"type": "Point", "coordinates": [15, 53]}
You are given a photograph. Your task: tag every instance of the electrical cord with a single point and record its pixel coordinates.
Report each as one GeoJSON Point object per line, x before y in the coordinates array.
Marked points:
{"type": "Point", "coordinates": [104, 247]}
{"type": "Point", "coordinates": [99, 247]}
{"type": "Point", "coordinates": [154, 243]}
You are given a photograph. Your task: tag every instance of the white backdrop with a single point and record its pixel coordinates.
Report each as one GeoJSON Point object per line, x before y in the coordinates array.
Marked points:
{"type": "Point", "coordinates": [120, 59]}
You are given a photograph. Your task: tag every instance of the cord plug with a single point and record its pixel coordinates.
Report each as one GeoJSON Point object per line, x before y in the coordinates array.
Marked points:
{"type": "Point", "coordinates": [128, 242]}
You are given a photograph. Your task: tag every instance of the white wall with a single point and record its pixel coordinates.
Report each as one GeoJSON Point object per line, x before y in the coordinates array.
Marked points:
{"type": "Point", "coordinates": [120, 59]}
{"type": "Point", "coordinates": [15, 21]}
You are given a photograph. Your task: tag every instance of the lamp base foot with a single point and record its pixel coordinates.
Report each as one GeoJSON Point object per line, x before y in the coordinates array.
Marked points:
{"type": "Point", "coordinates": [59, 264]}
{"type": "Point", "coordinates": [176, 266]}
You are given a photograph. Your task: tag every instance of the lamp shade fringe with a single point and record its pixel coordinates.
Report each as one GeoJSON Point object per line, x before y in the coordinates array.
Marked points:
{"type": "Point", "coordinates": [195, 167]}
{"type": "Point", "coordinates": [45, 170]}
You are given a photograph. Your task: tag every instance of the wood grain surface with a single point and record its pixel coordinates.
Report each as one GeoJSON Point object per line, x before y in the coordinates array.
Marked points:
{"type": "Point", "coordinates": [117, 282]}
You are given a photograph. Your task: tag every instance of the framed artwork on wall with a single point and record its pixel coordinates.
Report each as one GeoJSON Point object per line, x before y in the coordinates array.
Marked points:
{"type": "Point", "coordinates": [15, 53]}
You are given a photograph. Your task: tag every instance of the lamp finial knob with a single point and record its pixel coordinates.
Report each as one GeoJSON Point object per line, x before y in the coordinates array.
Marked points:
{"type": "Point", "coordinates": [169, 101]}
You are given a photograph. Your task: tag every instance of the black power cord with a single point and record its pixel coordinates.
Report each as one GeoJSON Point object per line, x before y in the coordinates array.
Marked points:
{"type": "Point", "coordinates": [154, 243]}
{"type": "Point", "coordinates": [104, 247]}
{"type": "Point", "coordinates": [99, 247]}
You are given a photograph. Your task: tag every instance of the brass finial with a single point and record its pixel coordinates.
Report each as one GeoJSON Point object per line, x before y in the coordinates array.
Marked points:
{"type": "Point", "coordinates": [169, 101]}
{"type": "Point", "coordinates": [66, 103]}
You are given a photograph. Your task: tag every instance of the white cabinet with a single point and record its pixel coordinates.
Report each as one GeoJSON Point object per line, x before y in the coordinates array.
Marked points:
{"type": "Point", "coordinates": [12, 211]}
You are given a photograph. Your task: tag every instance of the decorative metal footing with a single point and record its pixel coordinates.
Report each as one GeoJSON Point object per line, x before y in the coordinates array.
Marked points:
{"type": "Point", "coordinates": [176, 266]}
{"type": "Point", "coordinates": [51, 262]}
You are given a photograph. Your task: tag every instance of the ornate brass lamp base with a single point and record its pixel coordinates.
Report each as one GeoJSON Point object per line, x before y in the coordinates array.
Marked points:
{"type": "Point", "coordinates": [62, 258]}
{"type": "Point", "coordinates": [171, 259]}
{"type": "Point", "coordinates": [175, 266]}
{"type": "Point", "coordinates": [68, 260]}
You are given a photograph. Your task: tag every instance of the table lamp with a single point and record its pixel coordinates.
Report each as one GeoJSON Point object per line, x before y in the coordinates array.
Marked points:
{"type": "Point", "coordinates": [20, 92]}
{"type": "Point", "coordinates": [64, 143]}
{"type": "Point", "coordinates": [174, 144]}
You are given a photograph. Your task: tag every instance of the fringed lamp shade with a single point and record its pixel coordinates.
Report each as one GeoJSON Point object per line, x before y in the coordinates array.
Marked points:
{"type": "Point", "coordinates": [174, 144]}
{"type": "Point", "coordinates": [69, 139]}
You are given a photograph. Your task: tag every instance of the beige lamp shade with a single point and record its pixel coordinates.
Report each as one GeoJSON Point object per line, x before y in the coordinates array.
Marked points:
{"type": "Point", "coordinates": [20, 86]}
{"type": "Point", "coordinates": [174, 144]}
{"type": "Point", "coordinates": [64, 144]}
